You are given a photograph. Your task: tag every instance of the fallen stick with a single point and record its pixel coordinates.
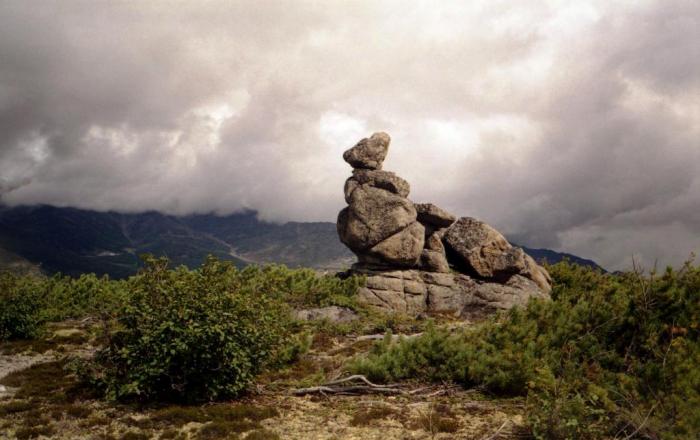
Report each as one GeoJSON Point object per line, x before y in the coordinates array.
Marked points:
{"type": "Point", "coordinates": [380, 336]}
{"type": "Point", "coordinates": [346, 386]}
{"type": "Point", "coordinates": [361, 378]}
{"type": "Point", "coordinates": [498, 431]}
{"type": "Point", "coordinates": [349, 390]}
{"type": "Point", "coordinates": [359, 384]}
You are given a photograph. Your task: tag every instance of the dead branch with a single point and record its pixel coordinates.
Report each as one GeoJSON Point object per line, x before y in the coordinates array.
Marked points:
{"type": "Point", "coordinates": [498, 431]}
{"type": "Point", "coordinates": [361, 378]}
{"type": "Point", "coordinates": [352, 390]}
{"type": "Point", "coordinates": [358, 384]}
{"type": "Point", "coordinates": [380, 336]}
{"type": "Point", "coordinates": [351, 385]}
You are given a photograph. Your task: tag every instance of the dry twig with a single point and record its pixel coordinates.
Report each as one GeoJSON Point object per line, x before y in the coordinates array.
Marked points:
{"type": "Point", "coordinates": [351, 385]}
{"type": "Point", "coordinates": [498, 431]}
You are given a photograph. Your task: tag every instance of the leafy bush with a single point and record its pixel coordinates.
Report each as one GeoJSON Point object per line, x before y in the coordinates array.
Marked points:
{"type": "Point", "coordinates": [190, 335]}
{"type": "Point", "coordinates": [20, 306]}
{"type": "Point", "coordinates": [297, 287]}
{"type": "Point", "coordinates": [28, 302]}
{"type": "Point", "coordinates": [610, 355]}
{"type": "Point", "coordinates": [70, 298]}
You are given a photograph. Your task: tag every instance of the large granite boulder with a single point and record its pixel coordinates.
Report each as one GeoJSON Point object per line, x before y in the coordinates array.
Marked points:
{"type": "Point", "coordinates": [434, 261]}
{"type": "Point", "coordinates": [402, 249]}
{"type": "Point", "coordinates": [377, 179]}
{"type": "Point", "coordinates": [369, 153]}
{"type": "Point", "coordinates": [481, 251]}
{"type": "Point", "coordinates": [430, 214]}
{"type": "Point", "coordinates": [333, 314]}
{"type": "Point", "coordinates": [374, 215]}
{"type": "Point", "coordinates": [433, 258]}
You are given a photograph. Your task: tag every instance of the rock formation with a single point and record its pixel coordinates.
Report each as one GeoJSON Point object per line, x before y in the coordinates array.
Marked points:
{"type": "Point", "coordinates": [419, 258]}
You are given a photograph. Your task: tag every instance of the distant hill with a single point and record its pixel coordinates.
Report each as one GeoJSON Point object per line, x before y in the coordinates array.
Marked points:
{"type": "Point", "coordinates": [16, 264]}
{"type": "Point", "coordinates": [75, 241]}
{"type": "Point", "coordinates": [553, 257]}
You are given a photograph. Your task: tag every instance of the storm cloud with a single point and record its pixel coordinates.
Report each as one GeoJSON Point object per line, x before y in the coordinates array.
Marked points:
{"type": "Point", "coordinates": [568, 125]}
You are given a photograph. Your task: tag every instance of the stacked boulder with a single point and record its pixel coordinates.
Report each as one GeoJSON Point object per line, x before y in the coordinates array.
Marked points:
{"type": "Point", "coordinates": [419, 258]}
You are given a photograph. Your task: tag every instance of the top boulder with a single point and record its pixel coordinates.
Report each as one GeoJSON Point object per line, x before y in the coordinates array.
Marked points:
{"type": "Point", "coordinates": [369, 153]}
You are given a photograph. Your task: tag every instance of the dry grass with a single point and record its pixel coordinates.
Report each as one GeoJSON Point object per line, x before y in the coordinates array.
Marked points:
{"type": "Point", "coordinates": [49, 402]}
{"type": "Point", "coordinates": [366, 416]}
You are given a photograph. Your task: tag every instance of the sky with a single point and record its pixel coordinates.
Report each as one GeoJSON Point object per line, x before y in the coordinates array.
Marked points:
{"type": "Point", "coordinates": [570, 125]}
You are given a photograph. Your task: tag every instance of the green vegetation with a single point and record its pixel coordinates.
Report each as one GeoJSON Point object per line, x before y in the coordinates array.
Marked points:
{"type": "Point", "coordinates": [27, 303]}
{"type": "Point", "coordinates": [610, 355]}
{"type": "Point", "coordinates": [193, 335]}
{"type": "Point", "coordinates": [20, 304]}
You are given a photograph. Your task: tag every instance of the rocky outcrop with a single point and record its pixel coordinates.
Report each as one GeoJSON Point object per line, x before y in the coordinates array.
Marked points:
{"type": "Point", "coordinates": [331, 313]}
{"type": "Point", "coordinates": [378, 179]}
{"type": "Point", "coordinates": [419, 258]}
{"type": "Point", "coordinates": [481, 251]}
{"type": "Point", "coordinates": [414, 292]}
{"type": "Point", "coordinates": [430, 214]}
{"type": "Point", "coordinates": [368, 153]}
{"type": "Point", "coordinates": [373, 216]}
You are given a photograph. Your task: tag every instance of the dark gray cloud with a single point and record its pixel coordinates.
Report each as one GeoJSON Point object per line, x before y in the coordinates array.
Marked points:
{"type": "Point", "coordinates": [572, 125]}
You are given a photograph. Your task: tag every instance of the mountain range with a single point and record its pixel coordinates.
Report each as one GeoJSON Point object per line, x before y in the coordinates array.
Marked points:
{"type": "Point", "coordinates": [75, 241]}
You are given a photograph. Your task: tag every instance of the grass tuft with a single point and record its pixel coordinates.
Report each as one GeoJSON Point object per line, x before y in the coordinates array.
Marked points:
{"type": "Point", "coordinates": [262, 434]}
{"type": "Point", "coordinates": [15, 407]}
{"type": "Point", "coordinates": [366, 416]}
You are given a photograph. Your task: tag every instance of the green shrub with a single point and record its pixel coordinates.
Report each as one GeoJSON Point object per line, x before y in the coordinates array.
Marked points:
{"type": "Point", "coordinates": [70, 298]}
{"type": "Point", "coordinates": [297, 287]}
{"type": "Point", "coordinates": [190, 335]}
{"type": "Point", "coordinates": [611, 354]}
{"type": "Point", "coordinates": [28, 302]}
{"type": "Point", "coordinates": [20, 306]}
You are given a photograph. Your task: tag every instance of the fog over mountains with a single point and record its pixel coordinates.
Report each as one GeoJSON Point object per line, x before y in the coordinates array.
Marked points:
{"type": "Point", "coordinates": [74, 241]}
{"type": "Point", "coordinates": [567, 125]}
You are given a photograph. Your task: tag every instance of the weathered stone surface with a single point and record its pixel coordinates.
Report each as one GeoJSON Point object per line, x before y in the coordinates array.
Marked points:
{"type": "Point", "coordinates": [440, 279]}
{"type": "Point", "coordinates": [369, 153]}
{"type": "Point", "coordinates": [402, 249]}
{"type": "Point", "coordinates": [451, 298]}
{"type": "Point", "coordinates": [415, 291]}
{"type": "Point", "coordinates": [537, 273]}
{"type": "Point", "coordinates": [414, 287]}
{"type": "Point", "coordinates": [384, 283]}
{"type": "Point", "coordinates": [433, 257]}
{"type": "Point", "coordinates": [487, 298]}
{"type": "Point", "coordinates": [392, 301]}
{"type": "Point", "coordinates": [482, 250]}
{"type": "Point", "coordinates": [429, 214]}
{"type": "Point", "coordinates": [433, 241]}
{"type": "Point", "coordinates": [485, 253]}
{"type": "Point", "coordinates": [396, 291]}
{"type": "Point", "coordinates": [332, 313]}
{"type": "Point", "coordinates": [434, 261]}
{"type": "Point", "coordinates": [382, 179]}
{"type": "Point", "coordinates": [373, 215]}
{"type": "Point", "coordinates": [350, 185]}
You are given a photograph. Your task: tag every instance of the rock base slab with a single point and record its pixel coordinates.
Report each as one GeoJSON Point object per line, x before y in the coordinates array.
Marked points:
{"type": "Point", "coordinates": [413, 292]}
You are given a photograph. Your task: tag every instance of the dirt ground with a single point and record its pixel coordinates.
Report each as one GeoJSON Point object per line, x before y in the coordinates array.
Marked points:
{"type": "Point", "coordinates": [40, 399]}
